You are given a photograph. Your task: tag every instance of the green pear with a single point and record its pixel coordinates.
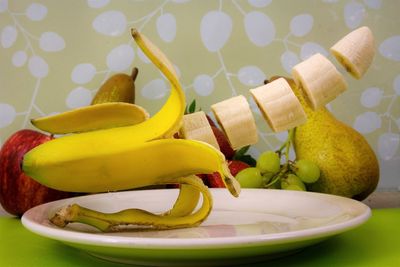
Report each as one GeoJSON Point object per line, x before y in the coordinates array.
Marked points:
{"type": "Point", "coordinates": [348, 164]}
{"type": "Point", "coordinates": [118, 88]}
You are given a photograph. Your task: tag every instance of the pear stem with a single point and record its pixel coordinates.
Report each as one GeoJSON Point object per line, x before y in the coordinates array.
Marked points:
{"type": "Point", "coordinates": [134, 73]}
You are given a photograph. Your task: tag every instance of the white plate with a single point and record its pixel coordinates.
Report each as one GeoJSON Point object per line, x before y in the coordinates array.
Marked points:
{"type": "Point", "coordinates": [259, 225]}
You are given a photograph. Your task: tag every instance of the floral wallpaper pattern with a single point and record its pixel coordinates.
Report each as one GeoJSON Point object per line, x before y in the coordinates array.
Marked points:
{"type": "Point", "coordinates": [54, 55]}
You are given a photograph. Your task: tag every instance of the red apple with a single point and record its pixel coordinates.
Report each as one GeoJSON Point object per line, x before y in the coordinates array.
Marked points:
{"type": "Point", "coordinates": [19, 192]}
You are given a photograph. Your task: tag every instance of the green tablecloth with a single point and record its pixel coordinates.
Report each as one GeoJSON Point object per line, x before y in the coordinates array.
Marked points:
{"type": "Point", "coordinates": [375, 243]}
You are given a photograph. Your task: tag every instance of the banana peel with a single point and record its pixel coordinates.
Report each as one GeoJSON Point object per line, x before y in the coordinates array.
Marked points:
{"type": "Point", "coordinates": [134, 156]}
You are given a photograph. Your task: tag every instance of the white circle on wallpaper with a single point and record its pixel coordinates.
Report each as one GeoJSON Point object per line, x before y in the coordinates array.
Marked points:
{"type": "Point", "coordinates": [7, 114]}
{"type": "Point", "coordinates": [215, 30]}
{"type": "Point", "coordinates": [36, 12]}
{"type": "Point", "coordinates": [19, 58]}
{"type": "Point", "coordinates": [203, 85]}
{"type": "Point", "coordinates": [79, 97]}
{"type": "Point", "coordinates": [83, 73]}
{"type": "Point", "coordinates": [111, 23]}
{"type": "Point", "coordinates": [251, 76]}
{"type": "Point", "coordinates": [8, 36]}
{"type": "Point", "coordinates": [120, 58]}
{"type": "Point", "coordinates": [371, 97]}
{"type": "Point", "coordinates": [259, 28]}
{"type": "Point", "coordinates": [38, 66]}
{"type": "Point", "coordinates": [301, 24]}
{"type": "Point", "coordinates": [51, 42]}
{"type": "Point", "coordinates": [166, 27]}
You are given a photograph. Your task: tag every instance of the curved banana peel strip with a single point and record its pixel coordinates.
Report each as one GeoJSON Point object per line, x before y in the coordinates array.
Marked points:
{"type": "Point", "coordinates": [186, 202]}
{"type": "Point", "coordinates": [94, 117]}
{"type": "Point", "coordinates": [140, 218]}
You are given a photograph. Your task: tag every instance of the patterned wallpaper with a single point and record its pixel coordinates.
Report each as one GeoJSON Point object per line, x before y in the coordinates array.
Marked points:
{"type": "Point", "coordinates": [55, 55]}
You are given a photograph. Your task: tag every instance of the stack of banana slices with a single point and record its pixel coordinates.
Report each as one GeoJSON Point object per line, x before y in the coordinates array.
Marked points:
{"type": "Point", "coordinates": [118, 146]}
{"type": "Point", "coordinates": [318, 79]}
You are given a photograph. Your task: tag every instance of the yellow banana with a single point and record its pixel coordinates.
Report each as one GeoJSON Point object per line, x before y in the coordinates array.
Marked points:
{"type": "Point", "coordinates": [94, 117]}
{"type": "Point", "coordinates": [136, 217]}
{"type": "Point", "coordinates": [100, 166]}
{"type": "Point", "coordinates": [133, 156]}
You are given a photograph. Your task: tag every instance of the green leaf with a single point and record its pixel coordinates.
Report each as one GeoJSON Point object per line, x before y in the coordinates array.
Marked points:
{"type": "Point", "coordinates": [191, 108]}
{"type": "Point", "coordinates": [242, 156]}
{"type": "Point", "coordinates": [248, 159]}
{"type": "Point", "coordinates": [242, 151]}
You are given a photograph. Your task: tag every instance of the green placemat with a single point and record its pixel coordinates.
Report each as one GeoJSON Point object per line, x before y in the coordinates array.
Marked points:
{"type": "Point", "coordinates": [375, 243]}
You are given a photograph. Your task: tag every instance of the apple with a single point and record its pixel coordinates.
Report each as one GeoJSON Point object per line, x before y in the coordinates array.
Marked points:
{"type": "Point", "coordinates": [19, 192]}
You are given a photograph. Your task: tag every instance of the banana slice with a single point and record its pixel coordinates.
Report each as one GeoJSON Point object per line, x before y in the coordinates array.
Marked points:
{"type": "Point", "coordinates": [94, 117]}
{"type": "Point", "coordinates": [279, 105]}
{"type": "Point", "coordinates": [355, 51]}
{"type": "Point", "coordinates": [235, 117]}
{"type": "Point", "coordinates": [319, 79]}
{"type": "Point", "coordinates": [195, 126]}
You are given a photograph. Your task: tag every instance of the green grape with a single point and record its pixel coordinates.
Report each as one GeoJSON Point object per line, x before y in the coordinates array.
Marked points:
{"type": "Point", "coordinates": [307, 171]}
{"type": "Point", "coordinates": [292, 181]}
{"type": "Point", "coordinates": [268, 162]}
{"type": "Point", "coordinates": [250, 178]}
{"type": "Point", "coordinates": [267, 177]}
{"type": "Point", "coordinates": [294, 187]}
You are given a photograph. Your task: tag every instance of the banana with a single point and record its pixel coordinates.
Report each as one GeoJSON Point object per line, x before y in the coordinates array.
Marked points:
{"type": "Point", "coordinates": [319, 79]}
{"type": "Point", "coordinates": [133, 156]}
{"type": "Point", "coordinates": [195, 126]}
{"type": "Point", "coordinates": [124, 219]}
{"type": "Point", "coordinates": [235, 117]}
{"type": "Point", "coordinates": [279, 105]}
{"type": "Point", "coordinates": [94, 117]}
{"type": "Point", "coordinates": [355, 51]}
{"type": "Point", "coordinates": [100, 166]}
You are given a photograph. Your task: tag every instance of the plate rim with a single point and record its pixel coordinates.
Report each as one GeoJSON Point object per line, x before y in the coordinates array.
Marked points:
{"type": "Point", "coordinates": [100, 240]}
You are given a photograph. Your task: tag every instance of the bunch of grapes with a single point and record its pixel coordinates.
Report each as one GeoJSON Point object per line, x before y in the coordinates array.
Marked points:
{"type": "Point", "coordinates": [270, 173]}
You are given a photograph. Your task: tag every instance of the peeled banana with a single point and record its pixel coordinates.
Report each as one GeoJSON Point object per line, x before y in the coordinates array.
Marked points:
{"type": "Point", "coordinates": [355, 51]}
{"type": "Point", "coordinates": [237, 121]}
{"type": "Point", "coordinates": [94, 117]}
{"type": "Point", "coordinates": [319, 79]}
{"type": "Point", "coordinates": [130, 157]}
{"type": "Point", "coordinates": [195, 126]}
{"type": "Point", "coordinates": [279, 105]}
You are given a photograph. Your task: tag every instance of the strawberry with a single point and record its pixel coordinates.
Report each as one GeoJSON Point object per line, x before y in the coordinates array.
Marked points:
{"type": "Point", "coordinates": [214, 180]}
{"type": "Point", "coordinates": [236, 166]}
{"type": "Point", "coordinates": [223, 143]}
{"type": "Point", "coordinates": [210, 121]}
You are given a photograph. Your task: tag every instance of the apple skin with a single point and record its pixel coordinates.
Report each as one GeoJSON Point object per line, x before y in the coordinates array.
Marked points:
{"type": "Point", "coordinates": [18, 191]}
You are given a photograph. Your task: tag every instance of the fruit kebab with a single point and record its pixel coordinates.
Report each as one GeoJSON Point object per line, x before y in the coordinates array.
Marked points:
{"type": "Point", "coordinates": [105, 163]}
